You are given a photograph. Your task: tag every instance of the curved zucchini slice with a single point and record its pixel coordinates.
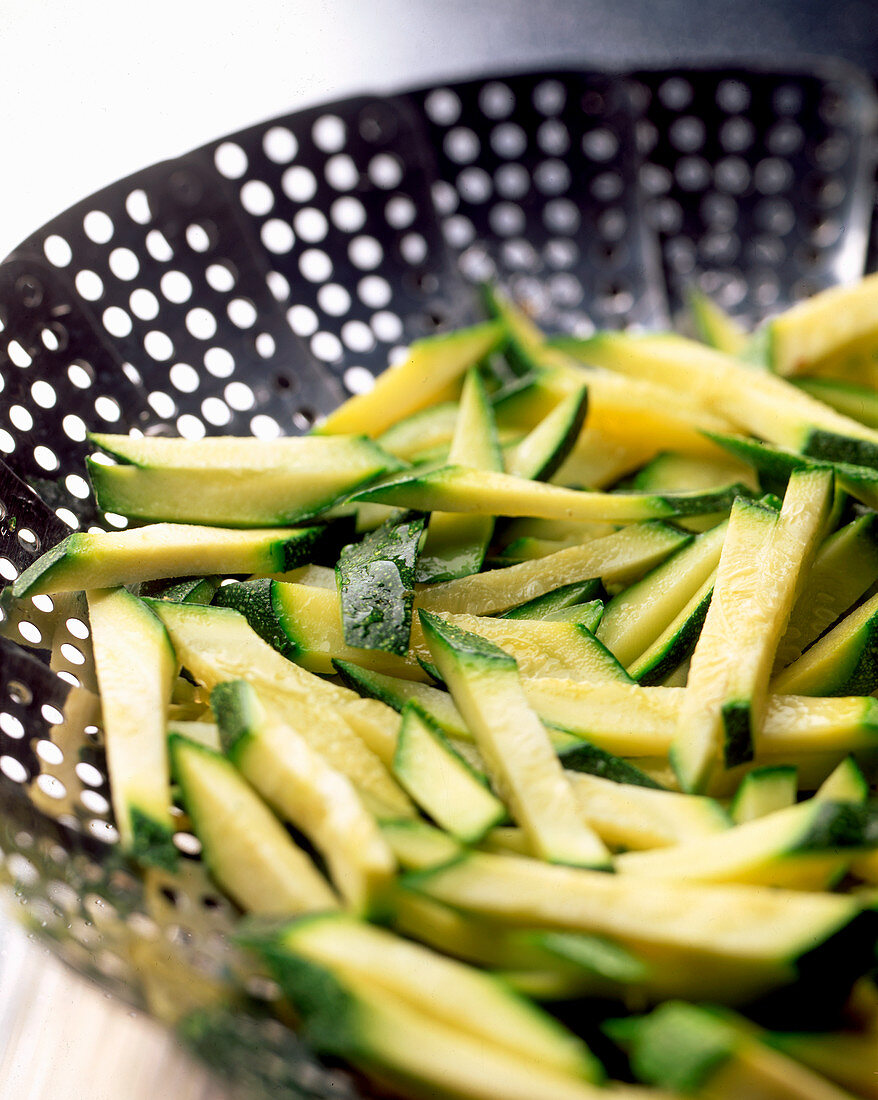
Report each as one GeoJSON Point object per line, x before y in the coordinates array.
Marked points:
{"type": "Point", "coordinates": [136, 667]}
{"type": "Point", "coordinates": [245, 847]}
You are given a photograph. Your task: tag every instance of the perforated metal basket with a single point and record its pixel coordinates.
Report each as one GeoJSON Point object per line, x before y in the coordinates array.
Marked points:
{"type": "Point", "coordinates": [250, 285]}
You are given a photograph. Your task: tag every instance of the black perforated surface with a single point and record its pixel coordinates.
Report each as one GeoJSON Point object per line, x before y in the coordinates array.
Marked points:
{"type": "Point", "coordinates": [249, 286]}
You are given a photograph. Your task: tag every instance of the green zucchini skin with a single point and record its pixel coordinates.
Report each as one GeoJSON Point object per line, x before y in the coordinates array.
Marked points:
{"type": "Point", "coordinates": [254, 600]}
{"type": "Point", "coordinates": [568, 595]}
{"type": "Point", "coordinates": [376, 580]}
{"type": "Point", "coordinates": [593, 760]}
{"type": "Point", "coordinates": [656, 664]}
{"type": "Point", "coordinates": [438, 779]}
{"type": "Point", "coordinates": [200, 590]}
{"type": "Point", "coordinates": [775, 464]}
{"type": "Point", "coordinates": [457, 489]}
{"type": "Point", "coordinates": [840, 448]}
{"type": "Point", "coordinates": [544, 450]}
{"type": "Point", "coordinates": [843, 662]}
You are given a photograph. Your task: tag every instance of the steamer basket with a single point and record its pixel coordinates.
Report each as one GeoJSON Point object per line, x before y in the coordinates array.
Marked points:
{"type": "Point", "coordinates": [249, 286]}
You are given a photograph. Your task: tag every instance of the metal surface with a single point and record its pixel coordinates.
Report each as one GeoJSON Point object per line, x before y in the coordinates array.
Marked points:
{"type": "Point", "coordinates": [250, 285]}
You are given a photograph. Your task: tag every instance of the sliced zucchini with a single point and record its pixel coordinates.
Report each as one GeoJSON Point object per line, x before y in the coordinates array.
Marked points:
{"type": "Point", "coordinates": [764, 790]}
{"type": "Point", "coordinates": [757, 401]}
{"type": "Point", "coordinates": [448, 991]}
{"type": "Point", "coordinates": [845, 1057]}
{"type": "Point", "coordinates": [188, 590]}
{"type": "Point", "coordinates": [821, 325]}
{"type": "Point", "coordinates": [559, 599]}
{"type": "Point", "coordinates": [277, 760]}
{"type": "Point", "coordinates": [843, 662]}
{"type": "Point", "coordinates": [423, 430]}
{"type": "Point", "coordinates": [698, 1052]}
{"type": "Point", "coordinates": [105, 559]}
{"type": "Point", "coordinates": [713, 326]}
{"type": "Point", "coordinates": [455, 545]}
{"type": "Point", "coordinates": [417, 845]}
{"type": "Point", "coordinates": [540, 647]}
{"type": "Point", "coordinates": [616, 559]}
{"type": "Point", "coordinates": [396, 693]}
{"type": "Point", "coordinates": [762, 559]}
{"type": "Point", "coordinates": [673, 647]}
{"type": "Point", "coordinates": [217, 644]}
{"type": "Point", "coordinates": [545, 448]}
{"type": "Point", "coordinates": [245, 847]}
{"type": "Point", "coordinates": [514, 744]}
{"type": "Point", "coordinates": [416, 382]}
{"type": "Point", "coordinates": [846, 784]}
{"type": "Point", "coordinates": [635, 817]}
{"type": "Point", "coordinates": [304, 623]}
{"type": "Point", "coordinates": [410, 1049]}
{"type": "Point", "coordinates": [232, 482]}
{"type": "Point", "coordinates": [675, 471]}
{"type": "Point", "coordinates": [634, 619]}
{"type": "Point", "coordinates": [726, 943]}
{"type": "Point", "coordinates": [441, 782]}
{"type": "Point", "coordinates": [631, 720]}
{"type": "Point", "coordinates": [796, 847]}
{"type": "Point", "coordinates": [845, 567]}
{"type": "Point", "coordinates": [775, 464]}
{"type": "Point", "coordinates": [856, 401]}
{"type": "Point", "coordinates": [135, 666]}
{"type": "Point", "coordinates": [591, 964]}
{"type": "Point", "coordinates": [582, 756]}
{"type": "Point", "coordinates": [376, 579]}
{"type": "Point", "coordinates": [458, 489]}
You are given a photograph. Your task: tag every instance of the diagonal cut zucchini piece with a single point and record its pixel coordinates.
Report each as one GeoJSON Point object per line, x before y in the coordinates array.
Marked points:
{"type": "Point", "coordinates": [441, 782]}
{"type": "Point", "coordinates": [616, 559]}
{"type": "Point", "coordinates": [245, 847]}
{"type": "Point", "coordinates": [455, 545]}
{"type": "Point", "coordinates": [458, 489]}
{"type": "Point", "coordinates": [416, 382]}
{"type": "Point", "coordinates": [763, 557]}
{"type": "Point", "coordinates": [514, 744]}
{"type": "Point", "coordinates": [105, 559]}
{"type": "Point", "coordinates": [136, 666]}
{"type": "Point", "coordinates": [230, 481]}
{"type": "Point", "coordinates": [302, 788]}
